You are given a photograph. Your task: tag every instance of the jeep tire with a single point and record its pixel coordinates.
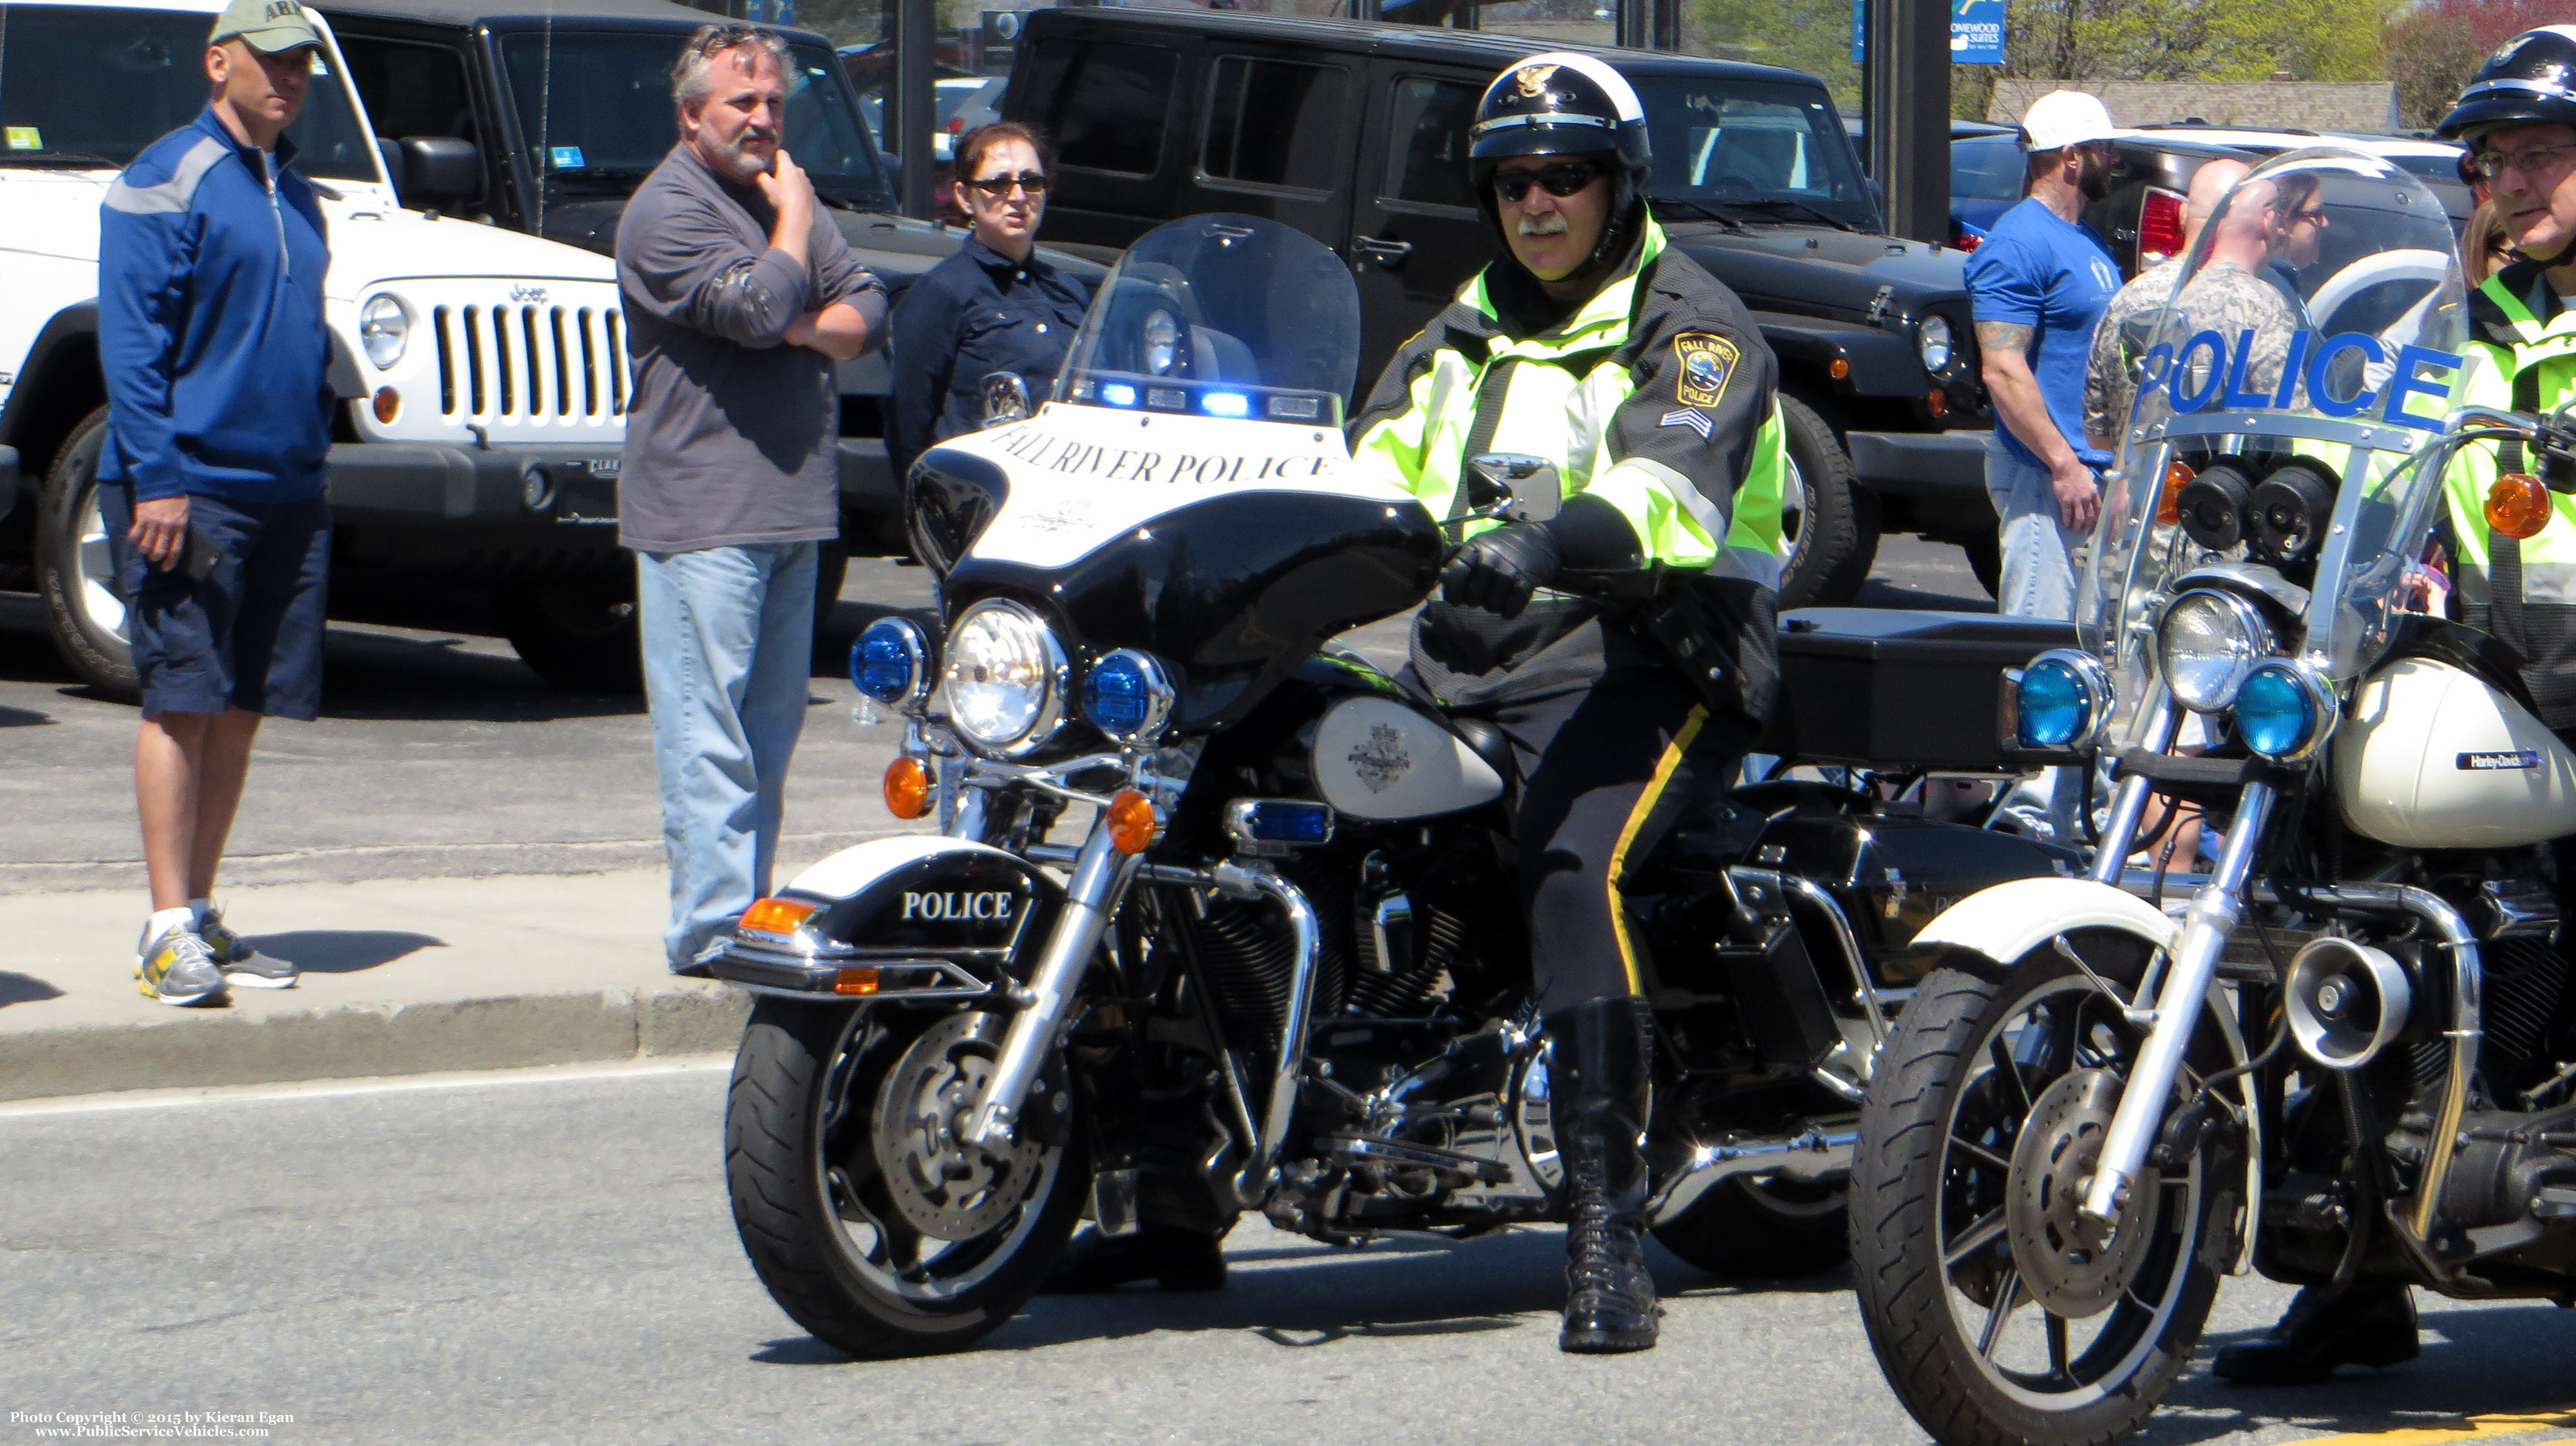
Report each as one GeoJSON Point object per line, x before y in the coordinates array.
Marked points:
{"type": "Point", "coordinates": [1828, 520]}
{"type": "Point", "coordinates": [587, 637]}
{"type": "Point", "coordinates": [74, 575]}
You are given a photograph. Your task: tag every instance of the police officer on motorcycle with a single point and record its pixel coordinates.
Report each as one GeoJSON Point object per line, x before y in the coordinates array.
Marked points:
{"type": "Point", "coordinates": [1594, 345]}
{"type": "Point", "coordinates": [2518, 119]}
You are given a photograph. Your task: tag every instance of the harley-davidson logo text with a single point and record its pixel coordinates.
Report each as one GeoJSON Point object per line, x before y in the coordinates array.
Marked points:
{"type": "Point", "coordinates": [976, 905]}
{"type": "Point", "coordinates": [2502, 758]}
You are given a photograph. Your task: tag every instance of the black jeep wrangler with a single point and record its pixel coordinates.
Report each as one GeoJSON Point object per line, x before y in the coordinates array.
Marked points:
{"type": "Point", "coordinates": [544, 119]}
{"type": "Point", "coordinates": [1356, 134]}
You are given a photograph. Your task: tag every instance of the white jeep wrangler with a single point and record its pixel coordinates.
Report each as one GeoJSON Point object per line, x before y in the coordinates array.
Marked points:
{"type": "Point", "coordinates": [481, 374]}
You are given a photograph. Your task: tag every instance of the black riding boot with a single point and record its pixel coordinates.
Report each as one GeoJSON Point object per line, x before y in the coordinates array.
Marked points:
{"type": "Point", "coordinates": [1597, 1075]}
{"type": "Point", "coordinates": [1176, 1259]}
{"type": "Point", "coordinates": [2370, 1324]}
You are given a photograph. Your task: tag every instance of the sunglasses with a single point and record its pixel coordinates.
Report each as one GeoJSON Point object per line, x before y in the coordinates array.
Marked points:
{"type": "Point", "coordinates": [1029, 181]}
{"type": "Point", "coordinates": [1561, 180]}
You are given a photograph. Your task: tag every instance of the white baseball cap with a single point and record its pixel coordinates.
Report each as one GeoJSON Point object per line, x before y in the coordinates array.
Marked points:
{"type": "Point", "coordinates": [2065, 118]}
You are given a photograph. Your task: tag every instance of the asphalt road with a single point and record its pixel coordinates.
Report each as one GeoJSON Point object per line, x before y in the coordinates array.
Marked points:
{"type": "Point", "coordinates": [549, 1258]}
{"type": "Point", "coordinates": [439, 754]}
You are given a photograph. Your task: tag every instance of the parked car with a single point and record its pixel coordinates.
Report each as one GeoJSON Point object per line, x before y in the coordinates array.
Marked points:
{"type": "Point", "coordinates": [1355, 134]}
{"type": "Point", "coordinates": [2142, 217]}
{"type": "Point", "coordinates": [480, 376]}
{"type": "Point", "coordinates": [1986, 178]}
{"type": "Point", "coordinates": [562, 112]}
{"type": "Point", "coordinates": [2435, 162]}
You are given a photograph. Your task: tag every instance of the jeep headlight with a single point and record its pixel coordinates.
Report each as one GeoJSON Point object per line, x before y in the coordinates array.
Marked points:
{"type": "Point", "coordinates": [2206, 645]}
{"type": "Point", "coordinates": [384, 329]}
{"type": "Point", "coordinates": [1933, 344]}
{"type": "Point", "coordinates": [1006, 677]}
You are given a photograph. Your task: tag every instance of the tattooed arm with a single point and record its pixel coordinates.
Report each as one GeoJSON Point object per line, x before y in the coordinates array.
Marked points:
{"type": "Point", "coordinates": [2019, 406]}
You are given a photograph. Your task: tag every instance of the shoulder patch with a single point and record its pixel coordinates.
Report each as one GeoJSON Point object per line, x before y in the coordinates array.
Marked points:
{"type": "Point", "coordinates": [1703, 361]}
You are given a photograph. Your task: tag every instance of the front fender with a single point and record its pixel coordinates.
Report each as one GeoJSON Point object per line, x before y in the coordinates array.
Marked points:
{"type": "Point", "coordinates": [2011, 919]}
{"type": "Point", "coordinates": [918, 917]}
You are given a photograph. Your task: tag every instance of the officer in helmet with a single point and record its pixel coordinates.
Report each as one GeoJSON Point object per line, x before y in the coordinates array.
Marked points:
{"type": "Point", "coordinates": [1596, 346]}
{"type": "Point", "coordinates": [2518, 119]}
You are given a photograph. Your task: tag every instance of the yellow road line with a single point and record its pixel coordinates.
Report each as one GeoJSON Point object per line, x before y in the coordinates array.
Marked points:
{"type": "Point", "coordinates": [2465, 1428]}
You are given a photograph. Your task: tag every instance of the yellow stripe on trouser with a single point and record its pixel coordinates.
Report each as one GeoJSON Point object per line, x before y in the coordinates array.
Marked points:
{"type": "Point", "coordinates": [1664, 767]}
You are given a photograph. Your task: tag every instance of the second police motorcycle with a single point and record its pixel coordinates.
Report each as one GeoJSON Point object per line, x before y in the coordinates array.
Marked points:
{"type": "Point", "coordinates": [1208, 916]}
{"type": "Point", "coordinates": [2344, 1058]}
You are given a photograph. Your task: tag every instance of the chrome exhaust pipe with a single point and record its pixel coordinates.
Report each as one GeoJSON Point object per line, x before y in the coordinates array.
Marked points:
{"type": "Point", "coordinates": [1816, 1156]}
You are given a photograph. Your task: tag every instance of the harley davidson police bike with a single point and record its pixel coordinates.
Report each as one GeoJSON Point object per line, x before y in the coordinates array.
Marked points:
{"type": "Point", "coordinates": [1216, 918]}
{"type": "Point", "coordinates": [2348, 1049]}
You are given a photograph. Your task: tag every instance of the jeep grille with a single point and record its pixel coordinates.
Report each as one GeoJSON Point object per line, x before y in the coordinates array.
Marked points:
{"type": "Point", "coordinates": [536, 363]}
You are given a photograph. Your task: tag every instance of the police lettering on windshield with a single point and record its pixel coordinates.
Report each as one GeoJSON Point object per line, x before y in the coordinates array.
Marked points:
{"type": "Point", "coordinates": [2207, 373]}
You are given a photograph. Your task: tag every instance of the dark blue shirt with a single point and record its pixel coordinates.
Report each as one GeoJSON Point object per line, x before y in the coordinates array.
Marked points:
{"type": "Point", "coordinates": [210, 262]}
{"type": "Point", "coordinates": [976, 313]}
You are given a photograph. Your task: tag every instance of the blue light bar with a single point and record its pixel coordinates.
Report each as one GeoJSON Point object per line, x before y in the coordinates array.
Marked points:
{"type": "Point", "coordinates": [1226, 404]}
{"type": "Point", "coordinates": [1118, 394]}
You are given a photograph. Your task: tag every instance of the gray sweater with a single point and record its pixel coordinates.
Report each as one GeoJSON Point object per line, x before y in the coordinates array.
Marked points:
{"type": "Point", "coordinates": [733, 437]}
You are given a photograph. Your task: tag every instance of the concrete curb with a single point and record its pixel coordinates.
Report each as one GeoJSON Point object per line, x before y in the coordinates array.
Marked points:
{"type": "Point", "coordinates": [397, 861]}
{"type": "Point", "coordinates": [683, 1017]}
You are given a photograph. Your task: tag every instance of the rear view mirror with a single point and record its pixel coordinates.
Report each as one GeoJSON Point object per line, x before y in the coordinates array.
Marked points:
{"type": "Point", "coordinates": [1514, 487]}
{"type": "Point", "coordinates": [1006, 399]}
{"type": "Point", "coordinates": [439, 172]}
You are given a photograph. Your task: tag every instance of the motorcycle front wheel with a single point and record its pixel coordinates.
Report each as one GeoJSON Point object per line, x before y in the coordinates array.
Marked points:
{"type": "Point", "coordinates": [1997, 1319]}
{"type": "Point", "coordinates": [870, 1225]}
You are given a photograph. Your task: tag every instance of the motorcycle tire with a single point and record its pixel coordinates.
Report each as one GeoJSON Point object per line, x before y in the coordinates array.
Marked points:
{"type": "Point", "coordinates": [1759, 1230]}
{"type": "Point", "coordinates": [814, 1204]}
{"type": "Point", "coordinates": [1935, 1213]}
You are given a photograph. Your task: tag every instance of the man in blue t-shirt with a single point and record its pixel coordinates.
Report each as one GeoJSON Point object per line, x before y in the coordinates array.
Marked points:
{"type": "Point", "coordinates": [2040, 281]}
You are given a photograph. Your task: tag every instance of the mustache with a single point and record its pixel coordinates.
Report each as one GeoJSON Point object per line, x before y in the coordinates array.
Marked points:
{"type": "Point", "coordinates": [1551, 224]}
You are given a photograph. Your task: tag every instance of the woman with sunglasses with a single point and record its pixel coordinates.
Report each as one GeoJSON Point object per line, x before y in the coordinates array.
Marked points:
{"type": "Point", "coordinates": [994, 306]}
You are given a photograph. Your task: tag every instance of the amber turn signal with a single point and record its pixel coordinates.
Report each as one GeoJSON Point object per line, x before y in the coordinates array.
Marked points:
{"type": "Point", "coordinates": [857, 979]}
{"type": "Point", "coordinates": [1133, 824]}
{"type": "Point", "coordinates": [2169, 501]}
{"type": "Point", "coordinates": [776, 916]}
{"type": "Point", "coordinates": [388, 404]}
{"type": "Point", "coordinates": [907, 788]}
{"type": "Point", "coordinates": [1841, 368]}
{"type": "Point", "coordinates": [2518, 505]}
{"type": "Point", "coordinates": [1937, 401]}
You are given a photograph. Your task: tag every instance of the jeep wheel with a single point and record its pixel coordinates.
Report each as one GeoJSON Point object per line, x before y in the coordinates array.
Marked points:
{"type": "Point", "coordinates": [74, 574]}
{"type": "Point", "coordinates": [1827, 520]}
{"type": "Point", "coordinates": [584, 637]}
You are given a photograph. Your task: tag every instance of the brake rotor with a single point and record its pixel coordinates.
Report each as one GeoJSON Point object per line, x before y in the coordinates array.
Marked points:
{"type": "Point", "coordinates": [941, 1187]}
{"type": "Point", "coordinates": [2064, 1265]}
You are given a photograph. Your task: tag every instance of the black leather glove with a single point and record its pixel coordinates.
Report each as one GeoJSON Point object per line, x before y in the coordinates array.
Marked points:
{"type": "Point", "coordinates": [1499, 569]}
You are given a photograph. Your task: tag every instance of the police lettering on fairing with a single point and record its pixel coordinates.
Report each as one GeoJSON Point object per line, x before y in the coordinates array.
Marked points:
{"type": "Point", "coordinates": [976, 904]}
{"type": "Point", "coordinates": [2207, 374]}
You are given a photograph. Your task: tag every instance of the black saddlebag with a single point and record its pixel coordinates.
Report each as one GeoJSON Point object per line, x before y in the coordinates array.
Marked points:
{"type": "Point", "coordinates": [1899, 689]}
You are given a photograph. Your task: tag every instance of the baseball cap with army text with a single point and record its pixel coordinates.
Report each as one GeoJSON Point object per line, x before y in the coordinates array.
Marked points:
{"type": "Point", "coordinates": [273, 26]}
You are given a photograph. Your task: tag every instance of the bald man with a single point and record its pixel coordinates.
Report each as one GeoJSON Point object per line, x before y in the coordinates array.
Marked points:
{"type": "Point", "coordinates": [2110, 376]}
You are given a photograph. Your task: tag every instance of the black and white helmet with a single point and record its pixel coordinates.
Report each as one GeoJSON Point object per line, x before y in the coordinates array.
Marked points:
{"type": "Point", "coordinates": [1559, 103]}
{"type": "Point", "coordinates": [2530, 81]}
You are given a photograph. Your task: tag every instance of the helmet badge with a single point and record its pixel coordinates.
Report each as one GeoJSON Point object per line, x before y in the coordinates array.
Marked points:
{"type": "Point", "coordinates": [1533, 79]}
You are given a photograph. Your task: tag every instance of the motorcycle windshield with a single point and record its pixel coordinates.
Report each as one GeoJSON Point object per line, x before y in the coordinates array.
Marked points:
{"type": "Point", "coordinates": [1220, 316]}
{"type": "Point", "coordinates": [2313, 340]}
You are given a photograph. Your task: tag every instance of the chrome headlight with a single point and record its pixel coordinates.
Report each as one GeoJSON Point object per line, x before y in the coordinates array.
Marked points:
{"type": "Point", "coordinates": [2284, 710]}
{"type": "Point", "coordinates": [1162, 342]}
{"type": "Point", "coordinates": [2206, 645]}
{"type": "Point", "coordinates": [1127, 696]}
{"type": "Point", "coordinates": [1005, 676]}
{"type": "Point", "coordinates": [891, 663]}
{"type": "Point", "coordinates": [384, 329]}
{"type": "Point", "coordinates": [2060, 701]}
{"type": "Point", "coordinates": [1933, 344]}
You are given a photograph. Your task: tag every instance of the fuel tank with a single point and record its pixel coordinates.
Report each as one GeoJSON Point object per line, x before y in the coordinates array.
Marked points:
{"type": "Point", "coordinates": [2431, 756]}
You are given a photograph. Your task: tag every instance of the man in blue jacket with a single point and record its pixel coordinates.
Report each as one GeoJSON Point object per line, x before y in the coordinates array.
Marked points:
{"type": "Point", "coordinates": [210, 261]}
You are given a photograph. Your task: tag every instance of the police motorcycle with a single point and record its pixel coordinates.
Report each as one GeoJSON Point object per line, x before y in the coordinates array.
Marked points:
{"type": "Point", "coordinates": [1207, 915]}
{"type": "Point", "coordinates": [2343, 1055]}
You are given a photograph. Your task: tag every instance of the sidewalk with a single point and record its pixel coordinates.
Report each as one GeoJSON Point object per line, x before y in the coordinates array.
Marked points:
{"type": "Point", "coordinates": [401, 976]}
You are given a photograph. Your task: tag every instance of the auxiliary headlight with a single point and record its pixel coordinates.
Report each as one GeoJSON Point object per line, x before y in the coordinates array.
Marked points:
{"type": "Point", "coordinates": [891, 663]}
{"type": "Point", "coordinates": [1932, 343]}
{"type": "Point", "coordinates": [384, 329]}
{"type": "Point", "coordinates": [2284, 710]}
{"type": "Point", "coordinates": [1005, 676]}
{"type": "Point", "coordinates": [1127, 696]}
{"type": "Point", "coordinates": [2061, 701]}
{"type": "Point", "coordinates": [2206, 645]}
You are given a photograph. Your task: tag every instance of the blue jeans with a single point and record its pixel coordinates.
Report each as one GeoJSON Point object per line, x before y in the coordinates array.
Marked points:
{"type": "Point", "coordinates": [2038, 548]}
{"type": "Point", "coordinates": [728, 650]}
